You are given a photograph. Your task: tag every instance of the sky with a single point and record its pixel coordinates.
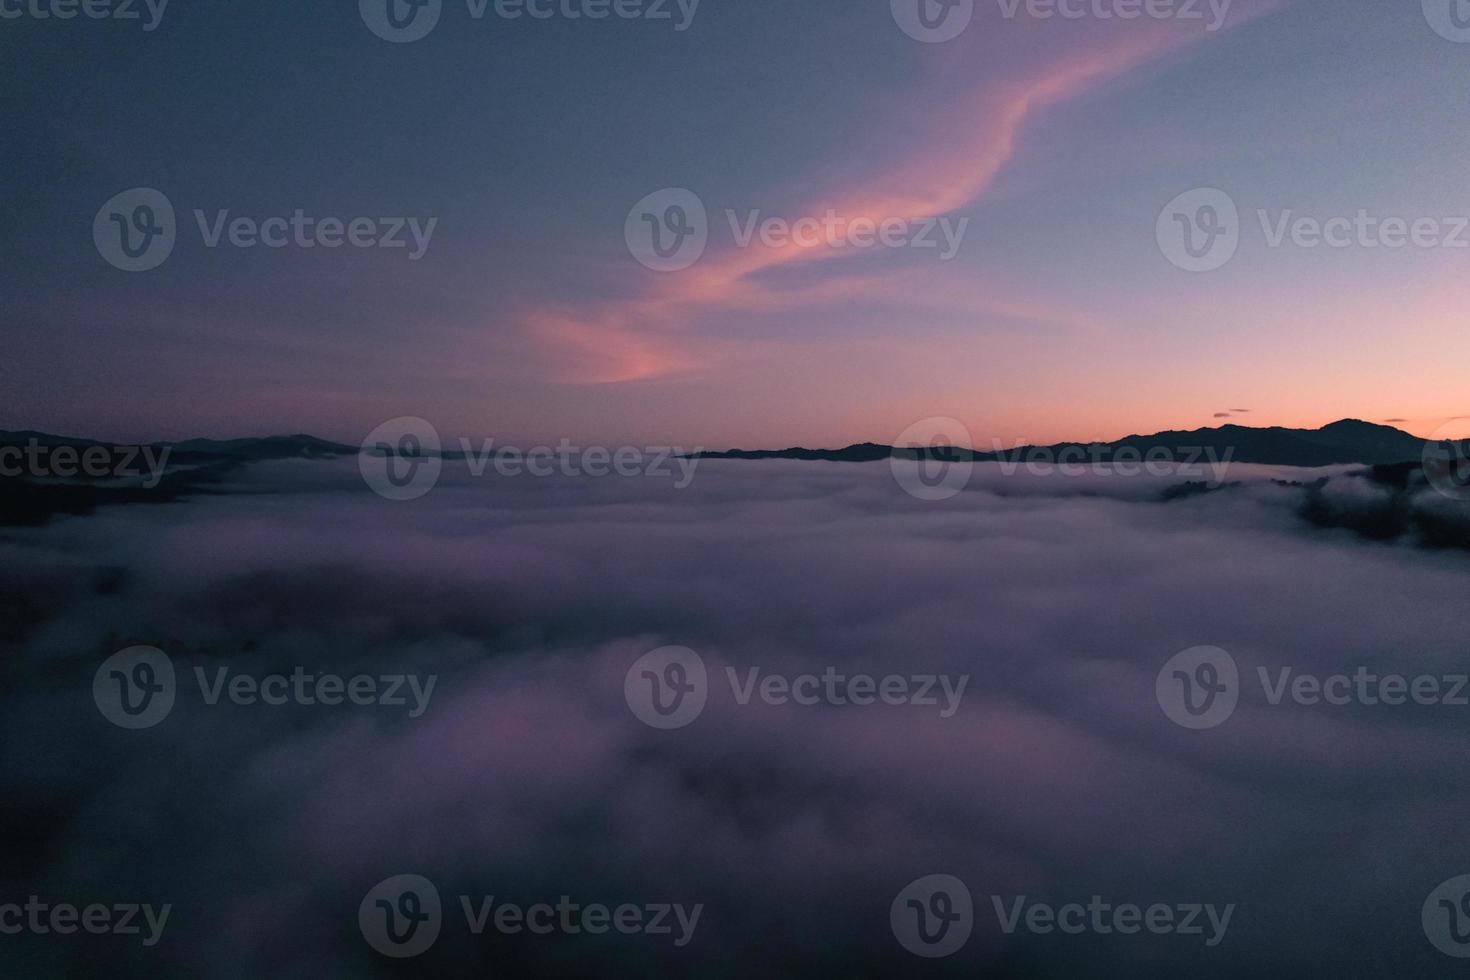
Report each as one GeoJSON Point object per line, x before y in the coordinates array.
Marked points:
{"type": "Point", "coordinates": [530, 150]}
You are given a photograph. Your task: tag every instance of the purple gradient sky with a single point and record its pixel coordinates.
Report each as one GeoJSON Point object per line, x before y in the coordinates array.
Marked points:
{"type": "Point", "coordinates": [528, 319]}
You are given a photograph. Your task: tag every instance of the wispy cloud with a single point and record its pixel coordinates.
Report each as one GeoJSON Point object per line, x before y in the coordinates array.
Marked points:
{"type": "Point", "coordinates": [975, 124]}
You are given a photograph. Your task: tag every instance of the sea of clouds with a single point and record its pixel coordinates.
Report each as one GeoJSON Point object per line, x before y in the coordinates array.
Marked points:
{"type": "Point", "coordinates": [528, 777]}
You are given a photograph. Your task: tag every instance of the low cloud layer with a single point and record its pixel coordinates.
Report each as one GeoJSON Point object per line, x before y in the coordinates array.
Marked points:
{"type": "Point", "coordinates": [528, 778]}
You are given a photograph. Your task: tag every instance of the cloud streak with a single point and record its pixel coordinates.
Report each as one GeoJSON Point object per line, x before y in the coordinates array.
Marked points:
{"type": "Point", "coordinates": [973, 122]}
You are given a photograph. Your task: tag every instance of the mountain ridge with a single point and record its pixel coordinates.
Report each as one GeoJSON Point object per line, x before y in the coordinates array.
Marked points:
{"type": "Point", "coordinates": [1345, 441]}
{"type": "Point", "coordinates": [1342, 442]}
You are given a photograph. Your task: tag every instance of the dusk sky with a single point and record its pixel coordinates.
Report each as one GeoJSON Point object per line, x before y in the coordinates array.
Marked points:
{"type": "Point", "coordinates": [529, 142]}
{"type": "Point", "coordinates": [527, 673]}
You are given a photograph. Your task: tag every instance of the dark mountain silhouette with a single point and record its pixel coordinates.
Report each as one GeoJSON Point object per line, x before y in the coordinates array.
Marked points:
{"type": "Point", "coordinates": [196, 451]}
{"type": "Point", "coordinates": [1347, 441]}
{"type": "Point", "coordinates": [863, 452]}
{"type": "Point", "coordinates": [193, 467]}
{"type": "Point", "coordinates": [271, 447]}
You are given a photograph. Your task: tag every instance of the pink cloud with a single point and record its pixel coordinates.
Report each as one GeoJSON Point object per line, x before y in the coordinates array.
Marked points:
{"type": "Point", "coordinates": [962, 148]}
